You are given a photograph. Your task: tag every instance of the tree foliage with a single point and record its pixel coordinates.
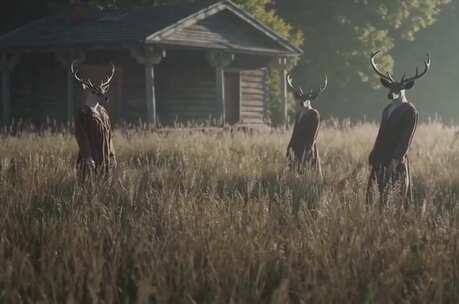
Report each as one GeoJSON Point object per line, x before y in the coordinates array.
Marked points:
{"type": "Point", "coordinates": [439, 92]}
{"type": "Point", "coordinates": [348, 31]}
{"type": "Point", "coordinates": [340, 35]}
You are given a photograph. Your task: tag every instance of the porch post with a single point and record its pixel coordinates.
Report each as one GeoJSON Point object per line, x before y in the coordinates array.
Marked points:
{"type": "Point", "coordinates": [220, 60]}
{"type": "Point", "coordinates": [70, 95]}
{"type": "Point", "coordinates": [6, 95]}
{"type": "Point", "coordinates": [6, 66]}
{"type": "Point", "coordinates": [149, 57]}
{"type": "Point", "coordinates": [150, 92]}
{"type": "Point", "coordinates": [220, 78]}
{"type": "Point", "coordinates": [66, 58]}
{"type": "Point", "coordinates": [284, 95]}
{"type": "Point", "coordinates": [281, 64]}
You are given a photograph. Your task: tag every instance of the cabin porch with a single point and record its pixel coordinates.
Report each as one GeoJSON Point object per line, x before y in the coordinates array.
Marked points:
{"type": "Point", "coordinates": [170, 87]}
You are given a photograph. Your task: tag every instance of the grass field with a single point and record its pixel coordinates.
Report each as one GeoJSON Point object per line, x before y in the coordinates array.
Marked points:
{"type": "Point", "coordinates": [215, 218]}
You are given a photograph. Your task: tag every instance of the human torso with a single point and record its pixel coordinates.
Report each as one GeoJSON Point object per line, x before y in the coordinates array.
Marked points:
{"type": "Point", "coordinates": [391, 108]}
{"type": "Point", "coordinates": [95, 133]}
{"type": "Point", "coordinates": [302, 131]}
{"type": "Point", "coordinates": [391, 127]}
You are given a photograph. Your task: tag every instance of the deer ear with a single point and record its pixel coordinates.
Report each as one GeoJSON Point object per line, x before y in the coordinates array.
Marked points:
{"type": "Point", "coordinates": [409, 85]}
{"type": "Point", "coordinates": [385, 83]}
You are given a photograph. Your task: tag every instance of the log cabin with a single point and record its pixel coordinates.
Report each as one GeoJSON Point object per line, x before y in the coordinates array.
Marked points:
{"type": "Point", "coordinates": [175, 64]}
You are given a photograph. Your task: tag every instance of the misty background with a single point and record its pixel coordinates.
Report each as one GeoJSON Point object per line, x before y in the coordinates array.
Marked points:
{"type": "Point", "coordinates": [337, 37]}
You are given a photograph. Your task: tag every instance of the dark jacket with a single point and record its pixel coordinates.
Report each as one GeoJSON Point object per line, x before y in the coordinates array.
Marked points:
{"type": "Point", "coordinates": [93, 134]}
{"type": "Point", "coordinates": [395, 134]}
{"type": "Point", "coordinates": [394, 138]}
{"type": "Point", "coordinates": [302, 147]}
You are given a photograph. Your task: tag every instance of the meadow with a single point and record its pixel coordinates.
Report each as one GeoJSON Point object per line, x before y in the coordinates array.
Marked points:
{"type": "Point", "coordinates": [215, 217]}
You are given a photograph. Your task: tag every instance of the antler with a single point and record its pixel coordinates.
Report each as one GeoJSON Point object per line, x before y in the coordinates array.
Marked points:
{"type": "Point", "coordinates": [312, 94]}
{"type": "Point", "coordinates": [387, 76]}
{"type": "Point", "coordinates": [315, 94]}
{"type": "Point", "coordinates": [298, 91]}
{"type": "Point", "coordinates": [417, 76]}
{"type": "Point", "coordinates": [75, 73]}
{"type": "Point", "coordinates": [322, 89]}
{"type": "Point", "coordinates": [106, 84]}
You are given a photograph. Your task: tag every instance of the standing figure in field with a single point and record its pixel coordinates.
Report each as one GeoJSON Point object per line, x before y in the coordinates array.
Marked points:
{"type": "Point", "coordinates": [388, 160]}
{"type": "Point", "coordinates": [302, 148]}
{"type": "Point", "coordinates": [93, 128]}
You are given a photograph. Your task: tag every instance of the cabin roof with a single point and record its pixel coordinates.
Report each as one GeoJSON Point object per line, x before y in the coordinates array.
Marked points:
{"type": "Point", "coordinates": [222, 25]}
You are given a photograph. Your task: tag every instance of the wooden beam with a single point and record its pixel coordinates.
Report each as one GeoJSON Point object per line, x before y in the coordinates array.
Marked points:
{"type": "Point", "coordinates": [7, 64]}
{"type": "Point", "coordinates": [149, 56]}
{"type": "Point", "coordinates": [6, 93]}
{"type": "Point", "coordinates": [220, 60]}
{"type": "Point", "coordinates": [65, 58]}
{"type": "Point", "coordinates": [70, 96]}
{"type": "Point", "coordinates": [150, 93]}
{"type": "Point", "coordinates": [284, 95]}
{"type": "Point", "coordinates": [220, 78]}
{"type": "Point", "coordinates": [282, 64]}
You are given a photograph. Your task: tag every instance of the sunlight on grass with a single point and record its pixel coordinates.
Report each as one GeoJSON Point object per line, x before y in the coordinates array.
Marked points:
{"type": "Point", "coordinates": [195, 217]}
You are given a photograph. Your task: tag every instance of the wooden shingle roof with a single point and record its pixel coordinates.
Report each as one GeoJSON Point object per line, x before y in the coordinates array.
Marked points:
{"type": "Point", "coordinates": [219, 26]}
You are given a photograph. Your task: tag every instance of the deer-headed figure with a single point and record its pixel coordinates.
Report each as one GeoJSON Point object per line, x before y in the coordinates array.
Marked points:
{"type": "Point", "coordinates": [388, 160]}
{"type": "Point", "coordinates": [93, 128]}
{"type": "Point", "coordinates": [302, 148]}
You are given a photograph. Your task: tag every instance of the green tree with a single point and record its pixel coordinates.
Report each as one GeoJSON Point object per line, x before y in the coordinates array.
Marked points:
{"type": "Point", "coordinates": [439, 92]}
{"type": "Point", "coordinates": [340, 35]}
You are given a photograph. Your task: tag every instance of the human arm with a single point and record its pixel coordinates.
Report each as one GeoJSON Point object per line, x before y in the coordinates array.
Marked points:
{"type": "Point", "coordinates": [81, 136]}
{"type": "Point", "coordinates": [106, 134]}
{"type": "Point", "coordinates": [112, 153]}
{"type": "Point", "coordinates": [312, 129]}
{"type": "Point", "coordinates": [86, 161]}
{"type": "Point", "coordinates": [407, 131]}
{"type": "Point", "coordinates": [372, 157]}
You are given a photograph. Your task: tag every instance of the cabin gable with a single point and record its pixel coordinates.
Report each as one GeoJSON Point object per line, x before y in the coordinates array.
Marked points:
{"type": "Point", "coordinates": [223, 30]}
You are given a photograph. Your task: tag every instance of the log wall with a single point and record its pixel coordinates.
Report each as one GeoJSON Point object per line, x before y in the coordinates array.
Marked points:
{"type": "Point", "coordinates": [253, 96]}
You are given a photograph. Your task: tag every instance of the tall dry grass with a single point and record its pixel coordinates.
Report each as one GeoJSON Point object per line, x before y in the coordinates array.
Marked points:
{"type": "Point", "coordinates": [216, 218]}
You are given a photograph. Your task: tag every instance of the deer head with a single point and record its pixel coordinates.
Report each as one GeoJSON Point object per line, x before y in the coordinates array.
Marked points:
{"type": "Point", "coordinates": [98, 91]}
{"type": "Point", "coordinates": [398, 88]}
{"type": "Point", "coordinates": [306, 98]}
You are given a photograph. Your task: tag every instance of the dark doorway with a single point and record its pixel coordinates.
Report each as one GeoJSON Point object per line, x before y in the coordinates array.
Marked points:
{"type": "Point", "coordinates": [232, 97]}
